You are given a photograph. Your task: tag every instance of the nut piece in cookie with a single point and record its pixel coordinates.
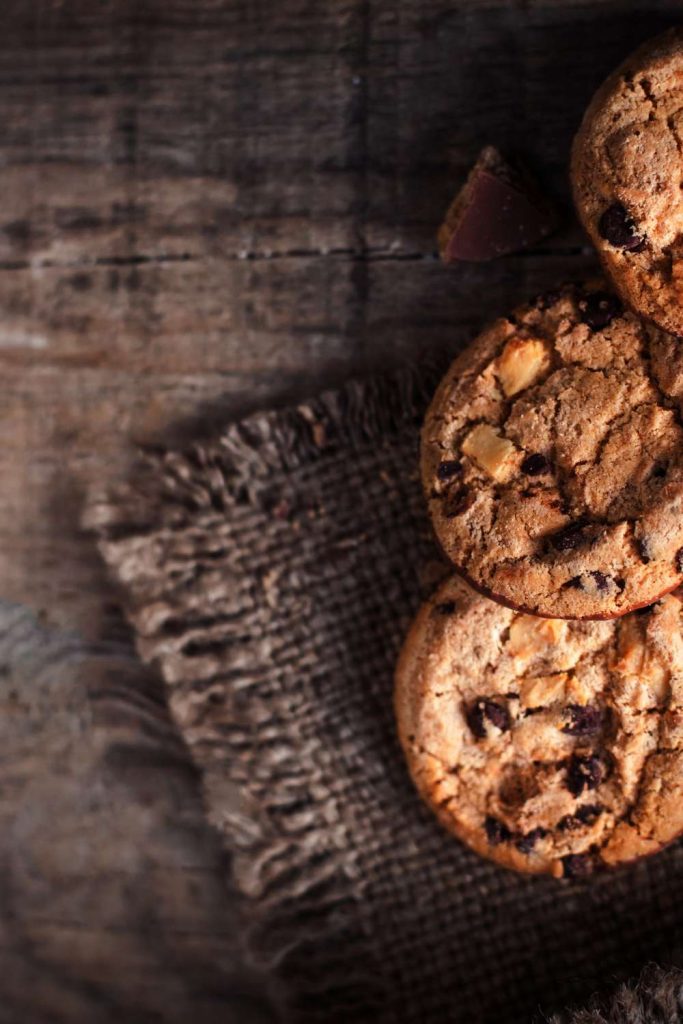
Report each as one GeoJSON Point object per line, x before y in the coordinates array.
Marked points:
{"type": "Point", "coordinates": [529, 635]}
{"type": "Point", "coordinates": [554, 762]}
{"type": "Point", "coordinates": [492, 452]}
{"type": "Point", "coordinates": [542, 691]}
{"type": "Point", "coordinates": [521, 363]}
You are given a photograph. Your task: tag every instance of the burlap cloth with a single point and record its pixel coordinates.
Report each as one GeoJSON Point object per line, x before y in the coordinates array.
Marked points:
{"type": "Point", "coordinates": [271, 575]}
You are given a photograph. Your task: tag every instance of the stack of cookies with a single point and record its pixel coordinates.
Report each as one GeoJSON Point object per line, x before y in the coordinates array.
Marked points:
{"type": "Point", "coordinates": [539, 694]}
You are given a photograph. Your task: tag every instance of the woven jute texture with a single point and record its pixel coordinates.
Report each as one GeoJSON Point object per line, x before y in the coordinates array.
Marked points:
{"type": "Point", "coordinates": [271, 575]}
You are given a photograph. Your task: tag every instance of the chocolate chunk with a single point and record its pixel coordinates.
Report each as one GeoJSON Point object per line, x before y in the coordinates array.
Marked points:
{"type": "Point", "coordinates": [601, 581]}
{"type": "Point", "coordinates": [457, 500]}
{"type": "Point", "coordinates": [547, 299]}
{"type": "Point", "coordinates": [584, 773]}
{"type": "Point", "coordinates": [584, 720]}
{"type": "Point", "coordinates": [483, 710]}
{"type": "Point", "coordinates": [598, 309]}
{"type": "Point", "coordinates": [448, 469]}
{"type": "Point", "coordinates": [526, 843]}
{"type": "Point", "coordinates": [572, 537]}
{"type": "Point", "coordinates": [578, 865]}
{"type": "Point", "coordinates": [679, 560]}
{"type": "Point", "coordinates": [497, 715]}
{"type": "Point", "coordinates": [535, 464]}
{"type": "Point", "coordinates": [618, 228]}
{"type": "Point", "coordinates": [496, 831]}
{"type": "Point", "coordinates": [498, 210]}
{"type": "Point", "coordinates": [587, 814]}
{"type": "Point", "coordinates": [643, 550]}
{"type": "Point", "coordinates": [474, 716]}
{"type": "Point", "coordinates": [445, 608]}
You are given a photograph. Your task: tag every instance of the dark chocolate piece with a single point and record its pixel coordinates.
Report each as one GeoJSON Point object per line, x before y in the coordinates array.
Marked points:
{"type": "Point", "coordinates": [498, 210]}
{"type": "Point", "coordinates": [535, 464]}
{"type": "Point", "coordinates": [598, 309]}
{"type": "Point", "coordinates": [617, 227]}
{"type": "Point", "coordinates": [584, 720]}
{"type": "Point", "coordinates": [526, 843]}
{"type": "Point", "coordinates": [587, 814]}
{"type": "Point", "coordinates": [457, 500]}
{"type": "Point", "coordinates": [584, 773]}
{"type": "Point", "coordinates": [448, 469]}
{"type": "Point", "coordinates": [570, 538]}
{"type": "Point", "coordinates": [483, 710]}
{"type": "Point", "coordinates": [496, 831]}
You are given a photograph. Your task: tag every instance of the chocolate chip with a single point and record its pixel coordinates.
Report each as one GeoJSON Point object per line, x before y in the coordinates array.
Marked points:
{"type": "Point", "coordinates": [598, 309]}
{"type": "Point", "coordinates": [526, 843]}
{"type": "Point", "coordinates": [548, 299]}
{"type": "Point", "coordinates": [578, 865]}
{"type": "Point", "coordinates": [497, 715]}
{"type": "Point", "coordinates": [659, 471]}
{"type": "Point", "coordinates": [457, 500]}
{"type": "Point", "coordinates": [679, 560]}
{"type": "Point", "coordinates": [584, 773]}
{"type": "Point", "coordinates": [584, 720]}
{"type": "Point", "coordinates": [601, 581]}
{"type": "Point", "coordinates": [643, 550]}
{"type": "Point", "coordinates": [485, 709]}
{"type": "Point", "coordinates": [448, 469]}
{"type": "Point", "coordinates": [496, 831]}
{"type": "Point", "coordinates": [474, 716]}
{"type": "Point", "coordinates": [571, 537]}
{"type": "Point", "coordinates": [535, 464]}
{"type": "Point", "coordinates": [618, 228]}
{"type": "Point", "coordinates": [446, 607]}
{"type": "Point", "coordinates": [587, 814]}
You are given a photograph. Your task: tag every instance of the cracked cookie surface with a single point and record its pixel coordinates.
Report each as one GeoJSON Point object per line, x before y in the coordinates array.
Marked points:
{"type": "Point", "coordinates": [548, 746]}
{"type": "Point", "coordinates": [552, 458]}
{"type": "Point", "coordinates": [627, 175]}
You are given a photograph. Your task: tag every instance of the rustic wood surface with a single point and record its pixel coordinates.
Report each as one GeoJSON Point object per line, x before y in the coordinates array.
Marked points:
{"type": "Point", "coordinates": [207, 206]}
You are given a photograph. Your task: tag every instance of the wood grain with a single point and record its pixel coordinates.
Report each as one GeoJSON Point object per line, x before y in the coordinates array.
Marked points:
{"type": "Point", "coordinates": [208, 206]}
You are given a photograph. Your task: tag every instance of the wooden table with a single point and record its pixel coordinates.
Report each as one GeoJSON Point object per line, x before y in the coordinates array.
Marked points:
{"type": "Point", "coordinates": [207, 206]}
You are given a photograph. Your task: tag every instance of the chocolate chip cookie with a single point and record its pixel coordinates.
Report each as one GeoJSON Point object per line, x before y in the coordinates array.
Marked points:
{"type": "Point", "coordinates": [627, 168]}
{"type": "Point", "coordinates": [545, 745]}
{"type": "Point", "coordinates": [552, 458]}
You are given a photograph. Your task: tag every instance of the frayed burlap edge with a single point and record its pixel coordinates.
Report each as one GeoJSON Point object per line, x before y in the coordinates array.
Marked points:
{"type": "Point", "coordinates": [293, 891]}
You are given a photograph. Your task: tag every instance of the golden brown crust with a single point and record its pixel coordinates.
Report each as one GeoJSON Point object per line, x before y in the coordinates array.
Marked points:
{"type": "Point", "coordinates": [628, 156]}
{"type": "Point", "coordinates": [552, 459]}
{"type": "Point", "coordinates": [546, 746]}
